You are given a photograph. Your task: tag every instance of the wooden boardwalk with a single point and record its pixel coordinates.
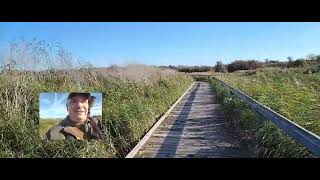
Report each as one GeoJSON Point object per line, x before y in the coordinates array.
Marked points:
{"type": "Point", "coordinates": [195, 128]}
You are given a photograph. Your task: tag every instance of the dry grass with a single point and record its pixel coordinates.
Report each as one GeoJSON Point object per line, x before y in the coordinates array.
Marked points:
{"type": "Point", "coordinates": [290, 92]}
{"type": "Point", "coordinates": [135, 96]}
{"type": "Point", "coordinates": [136, 73]}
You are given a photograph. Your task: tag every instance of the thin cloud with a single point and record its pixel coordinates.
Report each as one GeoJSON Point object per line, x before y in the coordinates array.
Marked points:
{"type": "Point", "coordinates": [46, 101]}
{"type": "Point", "coordinates": [58, 107]}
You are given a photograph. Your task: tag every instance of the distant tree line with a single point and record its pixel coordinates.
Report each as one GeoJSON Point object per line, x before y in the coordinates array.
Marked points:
{"type": "Point", "coordinates": [255, 64]}
{"type": "Point", "coordinates": [248, 65]}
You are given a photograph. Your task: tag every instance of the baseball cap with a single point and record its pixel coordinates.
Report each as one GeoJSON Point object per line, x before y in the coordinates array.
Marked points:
{"type": "Point", "coordinates": [86, 95]}
{"type": "Point", "coordinates": [71, 95]}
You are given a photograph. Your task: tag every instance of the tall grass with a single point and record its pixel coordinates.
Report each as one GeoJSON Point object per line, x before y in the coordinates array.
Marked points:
{"type": "Point", "coordinates": [131, 105]}
{"type": "Point", "coordinates": [267, 88]}
{"type": "Point", "coordinates": [289, 92]}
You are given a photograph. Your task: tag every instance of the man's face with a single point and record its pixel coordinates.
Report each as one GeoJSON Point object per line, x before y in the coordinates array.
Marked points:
{"type": "Point", "coordinates": [78, 108]}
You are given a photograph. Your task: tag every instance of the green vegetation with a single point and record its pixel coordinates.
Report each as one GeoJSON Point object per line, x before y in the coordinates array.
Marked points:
{"type": "Point", "coordinates": [136, 96]}
{"type": "Point", "coordinates": [201, 77]}
{"type": "Point", "coordinates": [191, 69]}
{"type": "Point", "coordinates": [131, 104]}
{"type": "Point", "coordinates": [311, 63]}
{"type": "Point", "coordinates": [46, 124]}
{"type": "Point", "coordinates": [244, 65]}
{"type": "Point", "coordinates": [290, 92]}
{"type": "Point", "coordinates": [130, 109]}
{"type": "Point", "coordinates": [220, 67]}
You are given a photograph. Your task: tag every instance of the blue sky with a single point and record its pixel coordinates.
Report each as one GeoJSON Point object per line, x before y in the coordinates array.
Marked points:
{"type": "Point", "coordinates": [172, 43]}
{"type": "Point", "coordinates": [53, 105]}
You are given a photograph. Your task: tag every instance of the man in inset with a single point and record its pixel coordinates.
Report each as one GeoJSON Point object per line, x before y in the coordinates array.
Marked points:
{"type": "Point", "coordinates": [78, 124]}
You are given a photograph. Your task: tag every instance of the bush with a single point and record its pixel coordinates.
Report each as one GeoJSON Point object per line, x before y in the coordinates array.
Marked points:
{"type": "Point", "coordinates": [220, 67]}
{"type": "Point", "coordinates": [190, 69]}
{"type": "Point", "coordinates": [297, 63]}
{"type": "Point", "coordinates": [244, 65]}
{"type": "Point", "coordinates": [200, 78]}
{"type": "Point", "coordinates": [312, 69]}
{"type": "Point", "coordinates": [276, 64]}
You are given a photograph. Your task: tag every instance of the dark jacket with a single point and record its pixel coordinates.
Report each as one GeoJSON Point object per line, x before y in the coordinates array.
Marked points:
{"type": "Point", "coordinates": [92, 128]}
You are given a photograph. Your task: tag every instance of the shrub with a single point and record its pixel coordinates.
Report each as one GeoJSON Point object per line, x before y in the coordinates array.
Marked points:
{"type": "Point", "coordinates": [220, 67]}
{"type": "Point", "coordinates": [297, 63]}
{"type": "Point", "coordinates": [244, 65]}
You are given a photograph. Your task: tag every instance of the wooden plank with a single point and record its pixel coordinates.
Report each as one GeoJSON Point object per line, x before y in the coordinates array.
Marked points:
{"type": "Point", "coordinates": [183, 139]}
{"type": "Point", "coordinates": [184, 127]}
{"type": "Point", "coordinates": [199, 131]}
{"type": "Point", "coordinates": [146, 137]}
{"type": "Point", "coordinates": [196, 120]}
{"type": "Point", "coordinates": [186, 132]}
{"type": "Point", "coordinates": [188, 144]}
{"type": "Point", "coordinates": [189, 127]}
{"type": "Point", "coordinates": [195, 150]}
{"type": "Point", "coordinates": [188, 154]}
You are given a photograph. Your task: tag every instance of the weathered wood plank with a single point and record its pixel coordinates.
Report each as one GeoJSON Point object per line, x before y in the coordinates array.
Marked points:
{"type": "Point", "coordinates": [196, 127]}
{"type": "Point", "coordinates": [146, 137]}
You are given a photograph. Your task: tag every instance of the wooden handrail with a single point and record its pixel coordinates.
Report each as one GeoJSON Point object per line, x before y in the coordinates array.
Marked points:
{"type": "Point", "coordinates": [308, 139]}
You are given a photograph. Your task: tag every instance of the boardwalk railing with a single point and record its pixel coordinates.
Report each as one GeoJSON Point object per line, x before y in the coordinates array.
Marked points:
{"type": "Point", "coordinates": [310, 140]}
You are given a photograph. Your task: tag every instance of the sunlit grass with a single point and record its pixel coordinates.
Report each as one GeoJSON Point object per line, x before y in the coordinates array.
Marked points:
{"type": "Point", "coordinates": [291, 93]}
{"type": "Point", "coordinates": [131, 103]}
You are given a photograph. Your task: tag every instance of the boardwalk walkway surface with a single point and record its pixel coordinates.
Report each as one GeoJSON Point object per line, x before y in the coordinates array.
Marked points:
{"type": "Point", "coordinates": [196, 128]}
